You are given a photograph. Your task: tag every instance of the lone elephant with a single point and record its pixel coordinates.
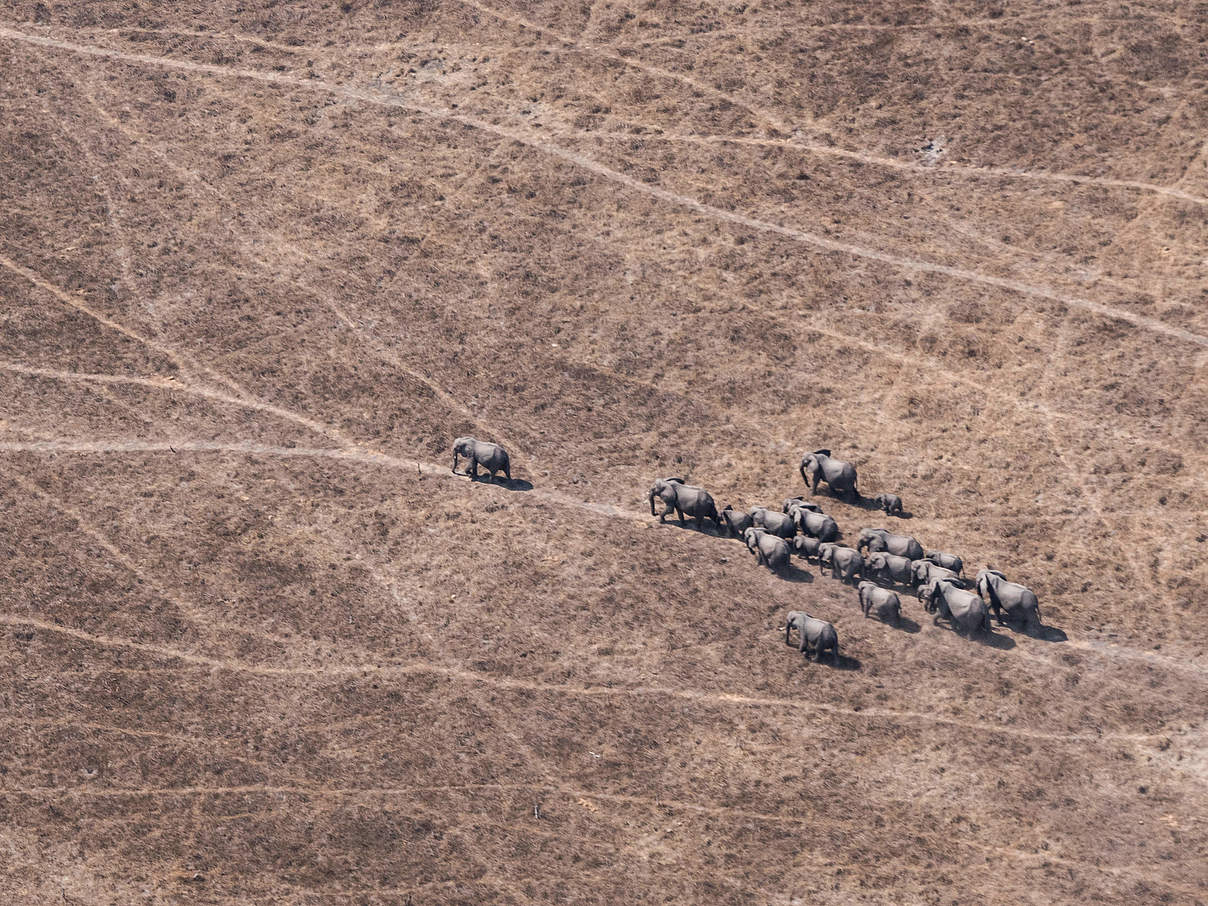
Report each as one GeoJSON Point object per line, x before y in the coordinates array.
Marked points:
{"type": "Point", "coordinates": [840, 476]}
{"type": "Point", "coordinates": [816, 634]}
{"type": "Point", "coordinates": [769, 550]}
{"type": "Point", "coordinates": [890, 503]}
{"type": "Point", "coordinates": [491, 457]}
{"type": "Point", "coordinates": [884, 602]}
{"type": "Point", "coordinates": [879, 539]}
{"type": "Point", "coordinates": [684, 499]}
{"type": "Point", "coordinates": [1019, 601]}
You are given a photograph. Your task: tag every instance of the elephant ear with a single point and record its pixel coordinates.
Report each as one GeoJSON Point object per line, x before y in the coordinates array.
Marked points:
{"type": "Point", "coordinates": [821, 453]}
{"type": "Point", "coordinates": [675, 480]}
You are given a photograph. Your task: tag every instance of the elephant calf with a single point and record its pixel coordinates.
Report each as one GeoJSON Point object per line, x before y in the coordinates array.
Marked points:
{"type": "Point", "coordinates": [888, 568]}
{"type": "Point", "coordinates": [491, 457]}
{"type": "Point", "coordinates": [885, 602]}
{"type": "Point", "coordinates": [890, 503]}
{"type": "Point", "coordinates": [769, 550]}
{"type": "Point", "coordinates": [843, 562]}
{"type": "Point", "coordinates": [737, 521]}
{"type": "Point", "coordinates": [817, 634]}
{"type": "Point", "coordinates": [771, 521]}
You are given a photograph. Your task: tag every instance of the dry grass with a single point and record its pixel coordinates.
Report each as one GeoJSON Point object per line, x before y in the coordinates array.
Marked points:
{"type": "Point", "coordinates": [259, 265]}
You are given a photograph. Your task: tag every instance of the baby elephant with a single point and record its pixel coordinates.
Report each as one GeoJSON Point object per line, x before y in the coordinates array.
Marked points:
{"type": "Point", "coordinates": [491, 457]}
{"type": "Point", "coordinates": [817, 634]}
{"type": "Point", "coordinates": [890, 503]}
{"type": "Point", "coordinates": [769, 550]}
{"type": "Point", "coordinates": [881, 600]}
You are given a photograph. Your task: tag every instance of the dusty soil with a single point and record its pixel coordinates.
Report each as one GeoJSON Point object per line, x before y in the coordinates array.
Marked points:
{"type": "Point", "coordinates": [260, 262]}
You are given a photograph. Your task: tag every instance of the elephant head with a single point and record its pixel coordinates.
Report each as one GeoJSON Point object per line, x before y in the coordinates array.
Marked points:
{"type": "Point", "coordinates": [751, 537]}
{"type": "Point", "coordinates": [664, 489]}
{"type": "Point", "coordinates": [463, 446]}
{"type": "Point", "coordinates": [866, 535]}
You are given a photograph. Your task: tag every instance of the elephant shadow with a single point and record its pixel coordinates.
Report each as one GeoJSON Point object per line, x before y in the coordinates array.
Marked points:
{"type": "Point", "coordinates": [846, 662]}
{"type": "Point", "coordinates": [1049, 634]}
{"type": "Point", "coordinates": [996, 640]}
{"type": "Point", "coordinates": [905, 624]}
{"type": "Point", "coordinates": [514, 484]}
{"type": "Point", "coordinates": [795, 573]}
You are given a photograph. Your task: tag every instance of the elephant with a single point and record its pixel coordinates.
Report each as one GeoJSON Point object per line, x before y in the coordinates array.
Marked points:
{"type": "Point", "coordinates": [840, 476]}
{"type": "Point", "coordinates": [821, 526]}
{"type": "Point", "coordinates": [890, 503]}
{"type": "Point", "coordinates": [684, 498]}
{"type": "Point", "coordinates": [806, 546]}
{"type": "Point", "coordinates": [879, 539]}
{"type": "Point", "coordinates": [948, 561]}
{"type": "Point", "coordinates": [1018, 601]}
{"type": "Point", "coordinates": [817, 634]}
{"type": "Point", "coordinates": [771, 521]}
{"type": "Point", "coordinates": [924, 572]}
{"type": "Point", "coordinates": [841, 561]}
{"type": "Point", "coordinates": [491, 457]}
{"type": "Point", "coordinates": [964, 609]}
{"type": "Point", "coordinates": [793, 503]}
{"type": "Point", "coordinates": [888, 568]}
{"type": "Point", "coordinates": [737, 521]}
{"type": "Point", "coordinates": [769, 550]}
{"type": "Point", "coordinates": [882, 600]}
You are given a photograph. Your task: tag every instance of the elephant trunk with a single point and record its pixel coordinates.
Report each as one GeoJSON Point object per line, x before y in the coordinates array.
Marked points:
{"type": "Point", "coordinates": [454, 462]}
{"type": "Point", "coordinates": [652, 503]}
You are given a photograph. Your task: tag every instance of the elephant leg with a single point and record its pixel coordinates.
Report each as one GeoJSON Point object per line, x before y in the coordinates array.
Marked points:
{"type": "Point", "coordinates": [474, 469]}
{"type": "Point", "coordinates": [507, 473]}
{"type": "Point", "coordinates": [680, 514]}
{"type": "Point", "coordinates": [700, 523]}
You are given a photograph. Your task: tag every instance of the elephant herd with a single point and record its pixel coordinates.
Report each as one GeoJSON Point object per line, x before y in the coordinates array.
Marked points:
{"type": "Point", "coordinates": [881, 561]}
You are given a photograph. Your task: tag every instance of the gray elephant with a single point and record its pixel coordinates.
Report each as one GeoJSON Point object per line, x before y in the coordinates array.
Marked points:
{"type": "Point", "coordinates": [888, 568]}
{"type": "Point", "coordinates": [737, 521]}
{"type": "Point", "coordinates": [769, 550]}
{"type": "Point", "coordinates": [771, 521]}
{"type": "Point", "coordinates": [879, 539]}
{"type": "Point", "coordinates": [948, 561]}
{"type": "Point", "coordinates": [806, 546]}
{"type": "Point", "coordinates": [684, 499]}
{"type": "Point", "coordinates": [924, 572]}
{"type": "Point", "coordinates": [1019, 602]}
{"type": "Point", "coordinates": [843, 562]}
{"type": "Point", "coordinates": [792, 503]}
{"type": "Point", "coordinates": [491, 457]}
{"type": "Point", "coordinates": [964, 609]}
{"type": "Point", "coordinates": [890, 503]}
{"type": "Point", "coordinates": [817, 634]}
{"type": "Point", "coordinates": [840, 476]}
{"type": "Point", "coordinates": [885, 602]}
{"type": "Point", "coordinates": [819, 525]}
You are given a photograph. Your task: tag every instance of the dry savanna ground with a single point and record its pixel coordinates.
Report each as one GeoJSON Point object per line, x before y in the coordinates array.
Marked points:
{"type": "Point", "coordinates": [261, 262]}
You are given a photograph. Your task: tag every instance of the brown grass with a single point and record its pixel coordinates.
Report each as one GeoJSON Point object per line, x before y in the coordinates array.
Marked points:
{"type": "Point", "coordinates": [260, 264]}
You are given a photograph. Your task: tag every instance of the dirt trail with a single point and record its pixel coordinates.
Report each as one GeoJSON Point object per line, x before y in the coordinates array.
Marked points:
{"type": "Point", "coordinates": [587, 163]}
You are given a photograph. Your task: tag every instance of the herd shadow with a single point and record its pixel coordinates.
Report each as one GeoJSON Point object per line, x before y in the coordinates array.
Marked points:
{"type": "Point", "coordinates": [795, 574]}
